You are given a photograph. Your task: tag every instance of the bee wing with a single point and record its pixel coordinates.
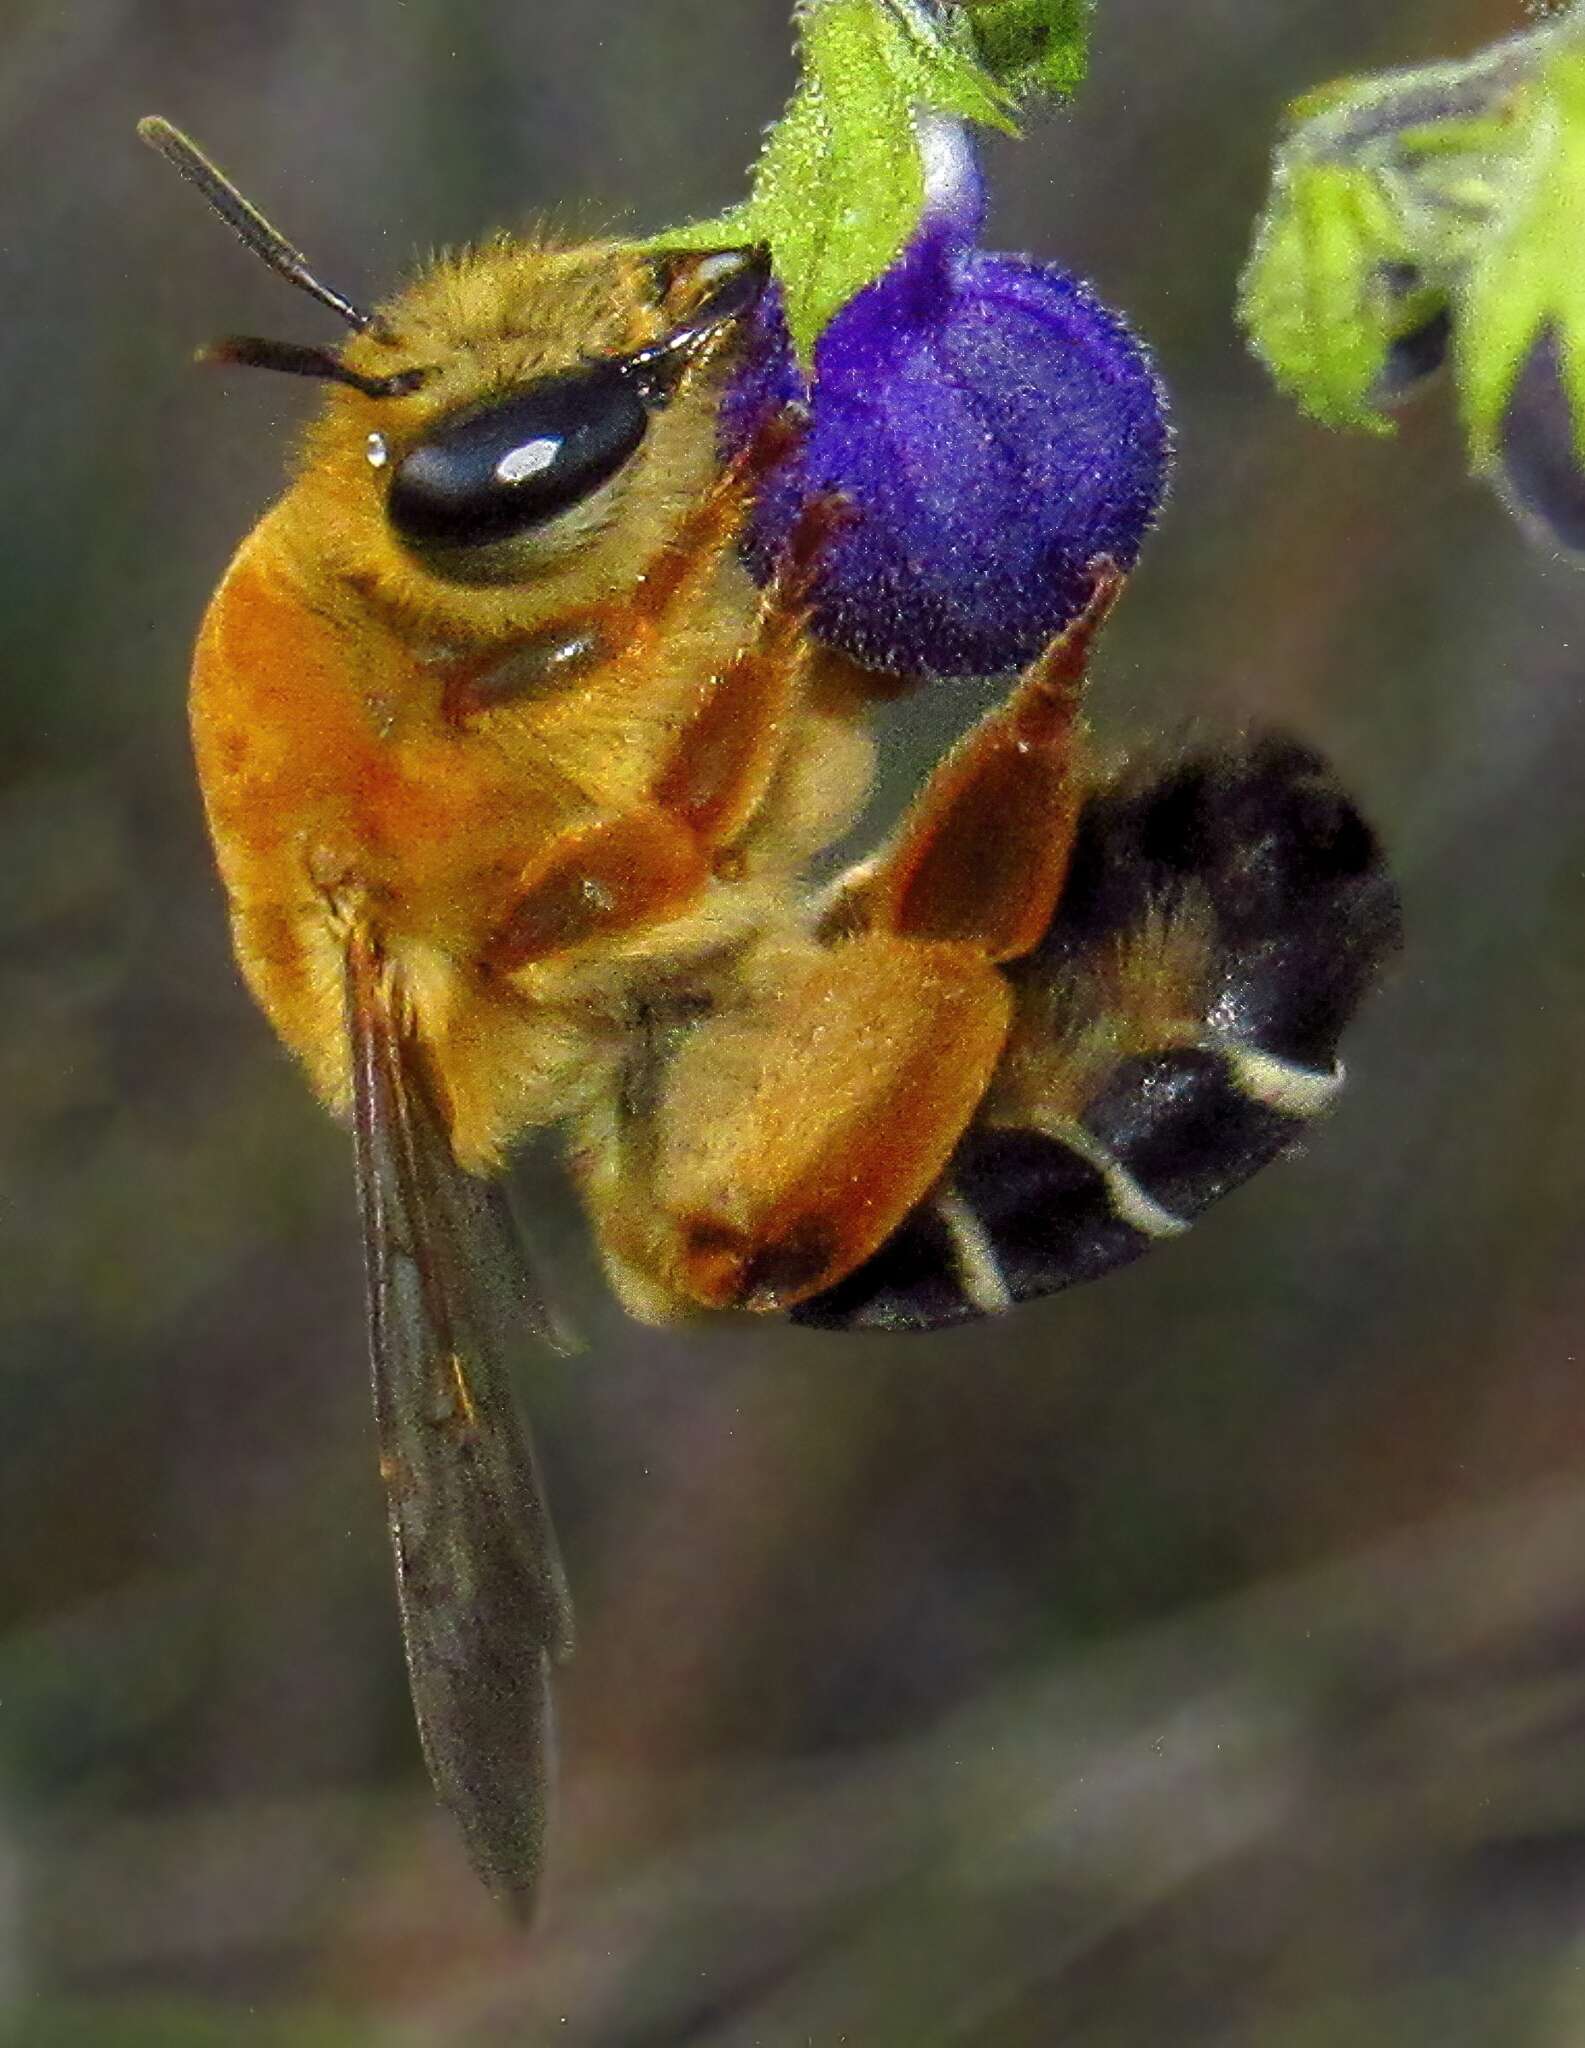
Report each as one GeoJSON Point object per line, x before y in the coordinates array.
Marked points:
{"type": "Point", "coordinates": [479, 1581]}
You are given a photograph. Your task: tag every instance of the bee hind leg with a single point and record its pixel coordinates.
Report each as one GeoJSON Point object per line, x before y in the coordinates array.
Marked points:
{"type": "Point", "coordinates": [784, 1138]}
{"type": "Point", "coordinates": [1176, 1029]}
{"type": "Point", "coordinates": [793, 1134]}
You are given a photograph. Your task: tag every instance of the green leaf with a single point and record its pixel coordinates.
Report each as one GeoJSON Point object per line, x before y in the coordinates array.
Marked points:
{"type": "Point", "coordinates": [1529, 273]}
{"type": "Point", "coordinates": [1317, 300]}
{"type": "Point", "coordinates": [1033, 46]}
{"type": "Point", "coordinates": [839, 186]}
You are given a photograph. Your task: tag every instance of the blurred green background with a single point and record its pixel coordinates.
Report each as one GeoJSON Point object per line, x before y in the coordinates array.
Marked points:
{"type": "Point", "coordinates": [1199, 1657]}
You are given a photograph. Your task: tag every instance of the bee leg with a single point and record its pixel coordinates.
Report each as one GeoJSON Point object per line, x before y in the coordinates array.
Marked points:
{"type": "Point", "coordinates": [788, 1139]}
{"type": "Point", "coordinates": [674, 577]}
{"type": "Point", "coordinates": [652, 862]}
{"type": "Point", "coordinates": [597, 882]}
{"type": "Point", "coordinates": [981, 857]}
{"type": "Point", "coordinates": [782, 1141]}
{"type": "Point", "coordinates": [726, 755]}
{"type": "Point", "coordinates": [687, 562]}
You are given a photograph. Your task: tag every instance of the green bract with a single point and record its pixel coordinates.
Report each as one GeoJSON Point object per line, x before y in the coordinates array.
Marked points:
{"type": "Point", "coordinates": [1032, 45]}
{"type": "Point", "coordinates": [839, 185]}
{"type": "Point", "coordinates": [1317, 300]}
{"type": "Point", "coordinates": [1381, 191]}
{"type": "Point", "coordinates": [1425, 209]}
{"type": "Point", "coordinates": [1529, 273]}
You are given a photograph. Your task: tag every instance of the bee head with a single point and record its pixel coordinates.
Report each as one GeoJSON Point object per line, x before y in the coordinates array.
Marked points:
{"type": "Point", "coordinates": [554, 372]}
{"type": "Point", "coordinates": [486, 427]}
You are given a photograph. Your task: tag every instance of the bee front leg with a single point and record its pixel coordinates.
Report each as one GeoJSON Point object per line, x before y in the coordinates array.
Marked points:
{"type": "Point", "coordinates": [628, 629]}
{"type": "Point", "coordinates": [654, 860]}
{"type": "Point", "coordinates": [726, 754]}
{"type": "Point", "coordinates": [686, 563]}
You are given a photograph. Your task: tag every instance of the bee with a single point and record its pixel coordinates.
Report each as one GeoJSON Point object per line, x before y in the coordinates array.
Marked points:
{"type": "Point", "coordinates": [516, 782]}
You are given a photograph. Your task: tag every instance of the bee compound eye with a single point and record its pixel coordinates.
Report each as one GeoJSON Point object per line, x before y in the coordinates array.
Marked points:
{"type": "Point", "coordinates": [501, 469]}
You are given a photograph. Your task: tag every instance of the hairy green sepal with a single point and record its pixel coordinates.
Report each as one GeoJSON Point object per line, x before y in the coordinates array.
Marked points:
{"type": "Point", "coordinates": [1380, 194]}
{"type": "Point", "coordinates": [1529, 273]}
{"type": "Point", "coordinates": [1316, 300]}
{"type": "Point", "coordinates": [1033, 46]}
{"type": "Point", "coordinates": [1457, 187]}
{"type": "Point", "coordinates": [838, 188]}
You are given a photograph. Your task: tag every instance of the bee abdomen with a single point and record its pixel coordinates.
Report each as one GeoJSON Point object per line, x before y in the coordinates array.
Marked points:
{"type": "Point", "coordinates": [1260, 858]}
{"type": "Point", "coordinates": [1028, 1212]}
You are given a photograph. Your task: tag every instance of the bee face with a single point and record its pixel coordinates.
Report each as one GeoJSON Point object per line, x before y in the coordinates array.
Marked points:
{"type": "Point", "coordinates": [523, 399]}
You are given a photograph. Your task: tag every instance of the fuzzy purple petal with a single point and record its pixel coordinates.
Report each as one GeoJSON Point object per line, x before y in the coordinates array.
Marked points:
{"type": "Point", "coordinates": [994, 426]}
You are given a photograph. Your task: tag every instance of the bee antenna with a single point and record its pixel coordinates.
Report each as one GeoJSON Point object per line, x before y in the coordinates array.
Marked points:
{"type": "Point", "coordinates": [298, 360]}
{"type": "Point", "coordinates": [245, 220]}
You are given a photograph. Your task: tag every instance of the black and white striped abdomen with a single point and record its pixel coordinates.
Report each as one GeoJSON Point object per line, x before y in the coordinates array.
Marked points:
{"type": "Point", "coordinates": [1178, 1028]}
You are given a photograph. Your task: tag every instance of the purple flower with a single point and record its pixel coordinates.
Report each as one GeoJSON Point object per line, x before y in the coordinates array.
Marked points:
{"type": "Point", "coordinates": [994, 428]}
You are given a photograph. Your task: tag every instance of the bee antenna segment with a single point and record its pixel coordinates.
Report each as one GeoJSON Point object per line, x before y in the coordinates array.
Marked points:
{"type": "Point", "coordinates": [245, 219]}
{"type": "Point", "coordinates": [299, 360]}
